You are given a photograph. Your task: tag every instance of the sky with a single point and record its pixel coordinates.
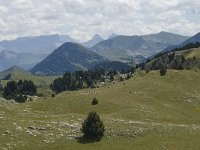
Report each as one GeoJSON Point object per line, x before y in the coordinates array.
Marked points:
{"type": "Point", "coordinates": [81, 19]}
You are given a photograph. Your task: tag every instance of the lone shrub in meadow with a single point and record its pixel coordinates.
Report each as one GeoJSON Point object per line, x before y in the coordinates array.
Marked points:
{"type": "Point", "coordinates": [93, 127]}
{"type": "Point", "coordinates": [53, 95]}
{"type": "Point", "coordinates": [94, 101]}
{"type": "Point", "coordinates": [163, 71]}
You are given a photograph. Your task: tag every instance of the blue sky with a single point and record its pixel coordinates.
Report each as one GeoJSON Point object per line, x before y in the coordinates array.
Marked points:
{"type": "Point", "coordinates": [81, 19]}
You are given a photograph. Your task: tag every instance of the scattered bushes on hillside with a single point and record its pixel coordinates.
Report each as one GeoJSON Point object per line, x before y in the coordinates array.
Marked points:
{"type": "Point", "coordinates": [187, 46]}
{"type": "Point", "coordinates": [94, 101]}
{"type": "Point", "coordinates": [93, 127]}
{"type": "Point", "coordinates": [19, 90]}
{"type": "Point", "coordinates": [173, 59]}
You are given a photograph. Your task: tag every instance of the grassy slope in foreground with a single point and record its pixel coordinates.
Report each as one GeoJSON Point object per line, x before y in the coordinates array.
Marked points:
{"type": "Point", "coordinates": [145, 112]}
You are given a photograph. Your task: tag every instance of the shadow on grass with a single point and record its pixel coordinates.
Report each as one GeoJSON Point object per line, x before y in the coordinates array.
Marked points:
{"type": "Point", "coordinates": [84, 140]}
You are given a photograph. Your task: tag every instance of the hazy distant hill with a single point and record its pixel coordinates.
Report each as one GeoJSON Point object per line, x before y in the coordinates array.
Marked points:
{"type": "Point", "coordinates": [68, 57]}
{"type": "Point", "coordinates": [95, 39]}
{"type": "Point", "coordinates": [43, 44]}
{"type": "Point", "coordinates": [193, 39]}
{"type": "Point", "coordinates": [23, 60]}
{"type": "Point", "coordinates": [6, 74]}
{"type": "Point", "coordinates": [16, 73]}
{"type": "Point", "coordinates": [128, 48]}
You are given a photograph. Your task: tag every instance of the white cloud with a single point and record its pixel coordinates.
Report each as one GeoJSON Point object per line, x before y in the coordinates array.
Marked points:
{"type": "Point", "coordinates": [83, 18]}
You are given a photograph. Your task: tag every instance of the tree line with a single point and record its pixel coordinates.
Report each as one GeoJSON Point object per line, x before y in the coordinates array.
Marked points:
{"type": "Point", "coordinates": [83, 79]}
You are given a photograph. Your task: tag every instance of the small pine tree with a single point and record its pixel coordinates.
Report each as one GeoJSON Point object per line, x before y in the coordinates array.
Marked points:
{"type": "Point", "coordinates": [163, 71]}
{"type": "Point", "coordinates": [147, 71]}
{"type": "Point", "coordinates": [94, 101]}
{"type": "Point", "coordinates": [1, 86]}
{"type": "Point", "coordinates": [53, 95]}
{"type": "Point", "coordinates": [20, 98]}
{"type": "Point", "coordinates": [128, 76]}
{"type": "Point", "coordinates": [93, 127]}
{"type": "Point", "coordinates": [112, 77]}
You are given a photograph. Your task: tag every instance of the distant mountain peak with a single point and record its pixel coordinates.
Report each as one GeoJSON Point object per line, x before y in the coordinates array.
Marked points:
{"type": "Point", "coordinates": [112, 36]}
{"type": "Point", "coordinates": [97, 36]}
{"type": "Point", "coordinates": [68, 57]}
{"type": "Point", "coordinates": [163, 32]}
{"type": "Point", "coordinates": [93, 41]}
{"type": "Point", "coordinates": [167, 33]}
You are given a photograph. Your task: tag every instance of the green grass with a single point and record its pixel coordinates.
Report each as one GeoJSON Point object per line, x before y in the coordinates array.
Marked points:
{"type": "Point", "coordinates": [145, 112]}
{"type": "Point", "coordinates": [193, 53]}
{"type": "Point", "coordinates": [38, 80]}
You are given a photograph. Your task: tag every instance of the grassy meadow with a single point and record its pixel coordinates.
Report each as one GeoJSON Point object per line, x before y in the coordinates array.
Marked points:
{"type": "Point", "coordinates": [17, 75]}
{"type": "Point", "coordinates": [146, 112]}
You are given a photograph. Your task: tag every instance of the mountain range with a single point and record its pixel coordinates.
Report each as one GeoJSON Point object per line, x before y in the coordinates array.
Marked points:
{"type": "Point", "coordinates": [43, 44]}
{"type": "Point", "coordinates": [71, 56]}
{"type": "Point", "coordinates": [130, 48]}
{"type": "Point", "coordinates": [68, 57]}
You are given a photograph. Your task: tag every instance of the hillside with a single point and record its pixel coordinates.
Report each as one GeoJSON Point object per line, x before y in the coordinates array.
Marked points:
{"type": "Point", "coordinates": [23, 60]}
{"type": "Point", "coordinates": [145, 112]}
{"type": "Point", "coordinates": [43, 44]}
{"type": "Point", "coordinates": [114, 65]}
{"type": "Point", "coordinates": [16, 73]}
{"type": "Point", "coordinates": [68, 57]}
{"type": "Point", "coordinates": [136, 48]}
{"type": "Point", "coordinates": [181, 59]}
